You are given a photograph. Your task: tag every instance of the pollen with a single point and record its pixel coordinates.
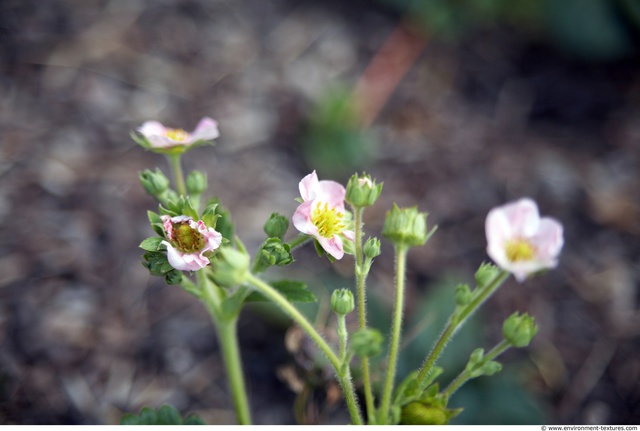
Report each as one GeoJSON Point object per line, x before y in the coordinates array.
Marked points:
{"type": "Point", "coordinates": [519, 250]}
{"type": "Point", "coordinates": [327, 220]}
{"type": "Point", "coordinates": [178, 135]}
{"type": "Point", "coordinates": [187, 239]}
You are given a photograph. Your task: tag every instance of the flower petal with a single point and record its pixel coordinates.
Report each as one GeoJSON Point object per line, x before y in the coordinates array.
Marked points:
{"type": "Point", "coordinates": [332, 193]}
{"type": "Point", "coordinates": [332, 246]}
{"type": "Point", "coordinates": [308, 186]}
{"type": "Point", "coordinates": [206, 130]}
{"type": "Point", "coordinates": [152, 128]}
{"type": "Point", "coordinates": [523, 217]}
{"type": "Point", "coordinates": [302, 218]}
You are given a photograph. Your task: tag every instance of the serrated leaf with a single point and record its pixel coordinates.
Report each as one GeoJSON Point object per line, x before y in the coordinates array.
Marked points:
{"type": "Point", "coordinates": [151, 244]}
{"type": "Point", "coordinates": [294, 291]}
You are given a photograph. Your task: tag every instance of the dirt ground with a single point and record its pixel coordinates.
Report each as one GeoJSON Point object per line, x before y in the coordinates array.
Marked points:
{"type": "Point", "coordinates": [86, 334]}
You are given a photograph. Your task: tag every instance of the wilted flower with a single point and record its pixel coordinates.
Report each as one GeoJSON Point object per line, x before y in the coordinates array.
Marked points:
{"type": "Point", "coordinates": [160, 137]}
{"type": "Point", "coordinates": [188, 241]}
{"type": "Point", "coordinates": [521, 242]}
{"type": "Point", "coordinates": [322, 214]}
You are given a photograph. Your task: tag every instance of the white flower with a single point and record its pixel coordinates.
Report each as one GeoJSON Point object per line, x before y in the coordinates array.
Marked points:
{"type": "Point", "coordinates": [521, 242]}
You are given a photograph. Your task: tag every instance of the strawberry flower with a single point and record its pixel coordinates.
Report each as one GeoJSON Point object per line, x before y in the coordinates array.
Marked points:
{"type": "Point", "coordinates": [188, 241]}
{"type": "Point", "coordinates": [322, 214]}
{"type": "Point", "coordinates": [521, 242]}
{"type": "Point", "coordinates": [160, 138]}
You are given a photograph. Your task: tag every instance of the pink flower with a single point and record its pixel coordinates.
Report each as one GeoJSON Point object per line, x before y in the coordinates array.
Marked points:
{"type": "Point", "coordinates": [321, 214]}
{"type": "Point", "coordinates": [521, 242]}
{"type": "Point", "coordinates": [188, 241]}
{"type": "Point", "coordinates": [160, 136]}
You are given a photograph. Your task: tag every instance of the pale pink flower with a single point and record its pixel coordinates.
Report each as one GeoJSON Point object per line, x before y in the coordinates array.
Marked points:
{"type": "Point", "coordinates": [322, 214]}
{"type": "Point", "coordinates": [521, 242]}
{"type": "Point", "coordinates": [188, 241]}
{"type": "Point", "coordinates": [160, 136]}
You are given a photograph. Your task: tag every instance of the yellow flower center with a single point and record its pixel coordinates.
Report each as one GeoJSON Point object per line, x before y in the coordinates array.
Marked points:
{"type": "Point", "coordinates": [519, 250]}
{"type": "Point", "coordinates": [178, 135]}
{"type": "Point", "coordinates": [327, 220]}
{"type": "Point", "coordinates": [186, 238]}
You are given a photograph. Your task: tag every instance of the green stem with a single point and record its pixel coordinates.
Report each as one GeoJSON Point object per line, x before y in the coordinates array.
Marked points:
{"type": "Point", "coordinates": [465, 376]}
{"type": "Point", "coordinates": [362, 310]}
{"type": "Point", "coordinates": [401, 254]}
{"type": "Point", "coordinates": [343, 376]}
{"type": "Point", "coordinates": [343, 336]}
{"type": "Point", "coordinates": [226, 329]}
{"type": "Point", "coordinates": [299, 240]}
{"type": "Point", "coordinates": [176, 167]}
{"type": "Point", "coordinates": [457, 320]}
{"type": "Point", "coordinates": [228, 337]}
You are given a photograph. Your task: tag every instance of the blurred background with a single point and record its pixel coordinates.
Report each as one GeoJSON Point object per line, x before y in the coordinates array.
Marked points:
{"type": "Point", "coordinates": [456, 105]}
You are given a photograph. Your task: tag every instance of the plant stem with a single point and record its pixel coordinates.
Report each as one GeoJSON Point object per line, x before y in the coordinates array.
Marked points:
{"type": "Point", "coordinates": [343, 336]}
{"type": "Point", "coordinates": [401, 254]}
{"type": "Point", "coordinates": [228, 337]}
{"type": "Point", "coordinates": [176, 167]}
{"type": "Point", "coordinates": [362, 311]}
{"type": "Point", "coordinates": [226, 328]}
{"type": "Point", "coordinates": [343, 376]}
{"type": "Point", "coordinates": [299, 240]}
{"type": "Point", "coordinates": [457, 320]}
{"type": "Point", "coordinates": [465, 376]}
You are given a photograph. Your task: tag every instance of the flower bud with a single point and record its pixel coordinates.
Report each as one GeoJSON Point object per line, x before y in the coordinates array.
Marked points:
{"type": "Point", "coordinates": [417, 413]}
{"type": "Point", "coordinates": [519, 330]}
{"type": "Point", "coordinates": [342, 302]}
{"type": "Point", "coordinates": [485, 274]}
{"type": "Point", "coordinates": [231, 267]}
{"type": "Point", "coordinates": [491, 368]}
{"type": "Point", "coordinates": [366, 343]}
{"type": "Point", "coordinates": [372, 248]}
{"type": "Point", "coordinates": [463, 295]}
{"type": "Point", "coordinates": [154, 183]}
{"type": "Point", "coordinates": [362, 191]}
{"type": "Point", "coordinates": [173, 277]}
{"type": "Point", "coordinates": [196, 182]}
{"type": "Point", "coordinates": [272, 253]}
{"type": "Point", "coordinates": [276, 226]}
{"type": "Point", "coordinates": [406, 226]}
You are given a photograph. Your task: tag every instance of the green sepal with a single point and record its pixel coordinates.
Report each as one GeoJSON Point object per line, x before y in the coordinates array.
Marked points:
{"type": "Point", "coordinates": [165, 415]}
{"type": "Point", "coordinates": [156, 263]}
{"type": "Point", "coordinates": [209, 216]}
{"type": "Point", "coordinates": [151, 244]}
{"type": "Point", "coordinates": [294, 291]}
{"type": "Point", "coordinates": [156, 223]}
{"type": "Point", "coordinates": [173, 277]}
{"type": "Point", "coordinates": [223, 224]}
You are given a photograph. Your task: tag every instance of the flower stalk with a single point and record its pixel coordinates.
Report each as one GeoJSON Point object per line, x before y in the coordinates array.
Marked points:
{"type": "Point", "coordinates": [401, 254]}
{"type": "Point", "coordinates": [457, 320]}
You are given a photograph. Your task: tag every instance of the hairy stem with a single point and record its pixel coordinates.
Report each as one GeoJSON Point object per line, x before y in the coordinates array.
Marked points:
{"type": "Point", "coordinates": [344, 376]}
{"type": "Point", "coordinates": [401, 254]}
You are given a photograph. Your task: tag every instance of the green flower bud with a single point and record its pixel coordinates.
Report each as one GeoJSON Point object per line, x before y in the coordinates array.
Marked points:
{"type": "Point", "coordinates": [230, 267]}
{"type": "Point", "coordinates": [276, 226]}
{"type": "Point", "coordinates": [463, 295]}
{"type": "Point", "coordinates": [406, 226]}
{"type": "Point", "coordinates": [272, 252]}
{"type": "Point", "coordinates": [486, 273]}
{"type": "Point", "coordinates": [372, 248]}
{"type": "Point", "coordinates": [362, 191]}
{"type": "Point", "coordinates": [519, 330]}
{"type": "Point", "coordinates": [475, 359]}
{"type": "Point", "coordinates": [491, 368]}
{"type": "Point", "coordinates": [342, 302]}
{"type": "Point", "coordinates": [196, 182]}
{"type": "Point", "coordinates": [417, 413]}
{"type": "Point", "coordinates": [366, 343]}
{"type": "Point", "coordinates": [154, 183]}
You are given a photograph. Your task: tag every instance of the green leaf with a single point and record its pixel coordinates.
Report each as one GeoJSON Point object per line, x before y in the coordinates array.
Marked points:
{"type": "Point", "coordinates": [294, 291]}
{"type": "Point", "coordinates": [151, 244]}
{"type": "Point", "coordinates": [165, 415]}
